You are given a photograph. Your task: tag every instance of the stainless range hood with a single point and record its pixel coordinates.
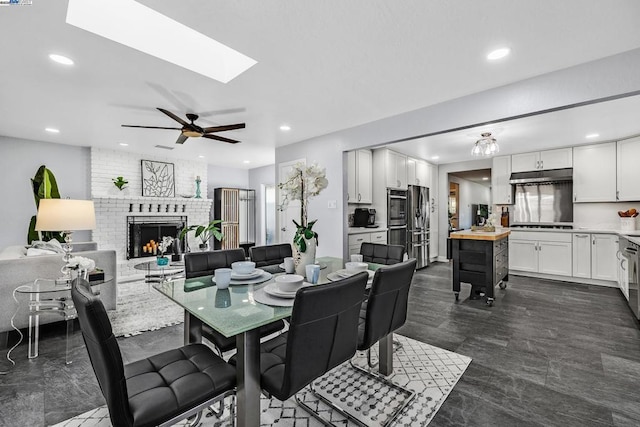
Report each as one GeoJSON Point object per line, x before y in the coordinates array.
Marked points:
{"type": "Point", "coordinates": [554, 175]}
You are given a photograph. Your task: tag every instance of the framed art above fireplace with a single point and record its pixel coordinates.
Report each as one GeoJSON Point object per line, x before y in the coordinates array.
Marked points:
{"type": "Point", "coordinates": [158, 179]}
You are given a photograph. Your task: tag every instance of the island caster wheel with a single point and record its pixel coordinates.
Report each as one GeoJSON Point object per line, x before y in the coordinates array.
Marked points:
{"type": "Point", "coordinates": [457, 296]}
{"type": "Point", "coordinates": [502, 285]}
{"type": "Point", "coordinates": [490, 302]}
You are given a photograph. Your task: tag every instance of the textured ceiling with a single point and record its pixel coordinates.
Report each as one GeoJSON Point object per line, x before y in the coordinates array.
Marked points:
{"type": "Point", "coordinates": [323, 66]}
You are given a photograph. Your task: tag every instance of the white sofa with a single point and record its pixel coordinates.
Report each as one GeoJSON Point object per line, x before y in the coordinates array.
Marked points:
{"type": "Point", "coordinates": [25, 269]}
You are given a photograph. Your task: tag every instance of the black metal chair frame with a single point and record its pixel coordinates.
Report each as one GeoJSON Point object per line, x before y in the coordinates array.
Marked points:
{"type": "Point", "coordinates": [372, 374]}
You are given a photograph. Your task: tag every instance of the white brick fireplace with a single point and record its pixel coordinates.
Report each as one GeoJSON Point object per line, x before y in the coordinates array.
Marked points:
{"type": "Point", "coordinates": [114, 206]}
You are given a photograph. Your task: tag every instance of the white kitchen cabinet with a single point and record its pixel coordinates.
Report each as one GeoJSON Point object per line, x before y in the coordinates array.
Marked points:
{"type": "Point", "coordinates": [623, 274]}
{"type": "Point", "coordinates": [356, 240]}
{"type": "Point", "coordinates": [418, 172]}
{"type": "Point", "coordinates": [396, 170]}
{"type": "Point", "coordinates": [359, 177]}
{"type": "Point", "coordinates": [433, 217]}
{"type": "Point", "coordinates": [582, 255]}
{"type": "Point", "coordinates": [628, 179]}
{"type": "Point", "coordinates": [594, 173]}
{"type": "Point", "coordinates": [554, 258]}
{"type": "Point", "coordinates": [604, 248]}
{"type": "Point", "coordinates": [540, 252]}
{"type": "Point", "coordinates": [501, 190]}
{"type": "Point", "coordinates": [542, 160]}
{"type": "Point", "coordinates": [523, 255]}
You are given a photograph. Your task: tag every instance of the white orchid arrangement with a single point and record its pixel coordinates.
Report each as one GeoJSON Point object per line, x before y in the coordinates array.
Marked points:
{"type": "Point", "coordinates": [493, 220]}
{"type": "Point", "coordinates": [80, 263]}
{"type": "Point", "coordinates": [302, 183]}
{"type": "Point", "coordinates": [164, 245]}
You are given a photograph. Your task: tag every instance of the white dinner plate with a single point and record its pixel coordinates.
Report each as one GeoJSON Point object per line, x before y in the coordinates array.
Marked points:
{"type": "Point", "coordinates": [243, 276]}
{"type": "Point", "coordinates": [263, 277]}
{"type": "Point", "coordinates": [275, 290]}
{"type": "Point", "coordinates": [343, 274]}
{"type": "Point", "coordinates": [322, 265]}
{"type": "Point", "coordinates": [264, 298]}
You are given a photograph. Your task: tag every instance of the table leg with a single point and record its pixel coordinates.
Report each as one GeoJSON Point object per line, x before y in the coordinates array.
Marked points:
{"type": "Point", "coordinates": [34, 326]}
{"type": "Point", "coordinates": [248, 372]}
{"type": "Point", "coordinates": [385, 350]}
{"type": "Point", "coordinates": [67, 359]}
{"type": "Point", "coordinates": [192, 328]}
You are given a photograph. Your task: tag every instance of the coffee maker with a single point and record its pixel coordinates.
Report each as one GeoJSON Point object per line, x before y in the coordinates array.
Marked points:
{"type": "Point", "coordinates": [364, 217]}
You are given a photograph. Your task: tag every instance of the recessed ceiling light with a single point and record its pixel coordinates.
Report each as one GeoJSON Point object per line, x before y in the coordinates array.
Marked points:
{"type": "Point", "coordinates": [592, 135]}
{"type": "Point", "coordinates": [435, 157]}
{"type": "Point", "coordinates": [201, 157]}
{"type": "Point", "coordinates": [285, 128]}
{"type": "Point", "coordinates": [484, 178]}
{"type": "Point", "coordinates": [124, 144]}
{"type": "Point", "coordinates": [498, 53]}
{"type": "Point", "coordinates": [142, 28]}
{"type": "Point", "coordinates": [60, 59]}
{"type": "Point", "coordinates": [52, 130]}
{"type": "Point", "coordinates": [246, 162]}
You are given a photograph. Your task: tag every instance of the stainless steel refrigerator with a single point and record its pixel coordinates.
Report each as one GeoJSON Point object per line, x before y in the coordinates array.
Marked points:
{"type": "Point", "coordinates": [418, 224]}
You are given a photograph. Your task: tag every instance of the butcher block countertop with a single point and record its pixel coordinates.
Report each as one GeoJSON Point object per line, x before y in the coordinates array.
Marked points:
{"type": "Point", "coordinates": [481, 235]}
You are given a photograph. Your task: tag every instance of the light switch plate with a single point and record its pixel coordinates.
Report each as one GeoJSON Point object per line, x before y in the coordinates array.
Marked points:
{"type": "Point", "coordinates": [332, 204]}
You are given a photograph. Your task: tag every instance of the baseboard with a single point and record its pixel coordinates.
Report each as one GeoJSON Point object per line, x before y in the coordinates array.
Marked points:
{"type": "Point", "coordinates": [442, 259]}
{"type": "Point", "coordinates": [571, 279]}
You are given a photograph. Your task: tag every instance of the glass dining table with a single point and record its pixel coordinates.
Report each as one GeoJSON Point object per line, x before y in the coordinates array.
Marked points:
{"type": "Point", "coordinates": [235, 312]}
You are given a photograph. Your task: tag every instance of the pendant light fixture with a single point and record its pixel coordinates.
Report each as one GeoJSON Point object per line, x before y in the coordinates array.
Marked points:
{"type": "Point", "coordinates": [486, 146]}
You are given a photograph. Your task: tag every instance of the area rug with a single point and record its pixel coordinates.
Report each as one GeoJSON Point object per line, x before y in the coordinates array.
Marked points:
{"type": "Point", "coordinates": [430, 371]}
{"type": "Point", "coordinates": [140, 308]}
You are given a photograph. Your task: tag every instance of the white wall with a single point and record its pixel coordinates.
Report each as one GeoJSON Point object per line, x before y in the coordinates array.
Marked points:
{"type": "Point", "coordinates": [599, 79]}
{"type": "Point", "coordinates": [469, 193]}
{"type": "Point", "coordinates": [19, 162]}
{"type": "Point", "coordinates": [226, 177]}
{"type": "Point", "coordinates": [258, 178]}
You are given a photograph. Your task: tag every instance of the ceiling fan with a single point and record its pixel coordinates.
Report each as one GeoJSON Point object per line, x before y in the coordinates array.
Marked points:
{"type": "Point", "coordinates": [192, 130]}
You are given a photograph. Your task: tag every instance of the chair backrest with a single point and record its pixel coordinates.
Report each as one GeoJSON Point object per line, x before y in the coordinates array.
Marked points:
{"type": "Point", "coordinates": [104, 352]}
{"type": "Point", "coordinates": [379, 253]}
{"type": "Point", "coordinates": [323, 331]}
{"type": "Point", "coordinates": [270, 255]}
{"type": "Point", "coordinates": [387, 302]}
{"type": "Point", "coordinates": [198, 264]}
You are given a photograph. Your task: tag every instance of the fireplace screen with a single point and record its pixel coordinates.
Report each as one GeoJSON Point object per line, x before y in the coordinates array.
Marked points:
{"type": "Point", "coordinates": [144, 233]}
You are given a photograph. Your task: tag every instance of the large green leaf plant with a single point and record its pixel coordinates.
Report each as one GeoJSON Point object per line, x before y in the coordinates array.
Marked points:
{"type": "Point", "coordinates": [44, 186]}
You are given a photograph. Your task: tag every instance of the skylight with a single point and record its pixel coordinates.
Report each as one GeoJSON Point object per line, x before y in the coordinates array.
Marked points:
{"type": "Point", "coordinates": [139, 27]}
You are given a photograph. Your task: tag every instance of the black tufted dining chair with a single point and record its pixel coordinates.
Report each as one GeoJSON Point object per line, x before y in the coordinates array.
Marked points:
{"type": "Point", "coordinates": [159, 390]}
{"type": "Point", "coordinates": [198, 264]}
{"type": "Point", "coordinates": [323, 333]}
{"type": "Point", "coordinates": [270, 256]}
{"type": "Point", "coordinates": [379, 253]}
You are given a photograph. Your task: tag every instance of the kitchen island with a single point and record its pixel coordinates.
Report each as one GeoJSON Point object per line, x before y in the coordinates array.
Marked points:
{"type": "Point", "coordinates": [480, 258]}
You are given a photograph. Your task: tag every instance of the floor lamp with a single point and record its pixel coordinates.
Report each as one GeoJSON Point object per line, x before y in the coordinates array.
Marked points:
{"type": "Point", "coordinates": [66, 216]}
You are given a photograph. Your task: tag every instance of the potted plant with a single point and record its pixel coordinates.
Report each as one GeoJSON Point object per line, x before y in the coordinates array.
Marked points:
{"type": "Point", "coordinates": [162, 248]}
{"type": "Point", "coordinates": [204, 233]}
{"type": "Point", "coordinates": [120, 182]}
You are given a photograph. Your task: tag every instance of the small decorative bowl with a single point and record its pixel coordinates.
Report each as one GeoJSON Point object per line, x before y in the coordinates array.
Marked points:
{"type": "Point", "coordinates": [243, 267]}
{"type": "Point", "coordinates": [289, 282]}
{"type": "Point", "coordinates": [356, 266]}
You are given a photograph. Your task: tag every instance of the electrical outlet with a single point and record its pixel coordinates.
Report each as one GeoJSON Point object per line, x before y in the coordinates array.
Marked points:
{"type": "Point", "coordinates": [332, 204]}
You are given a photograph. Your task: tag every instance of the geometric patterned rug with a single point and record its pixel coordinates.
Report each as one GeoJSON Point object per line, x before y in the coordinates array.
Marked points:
{"type": "Point", "coordinates": [430, 371]}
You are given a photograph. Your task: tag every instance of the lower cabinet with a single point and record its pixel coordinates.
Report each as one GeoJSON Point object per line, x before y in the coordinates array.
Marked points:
{"type": "Point", "coordinates": [604, 263]}
{"type": "Point", "coordinates": [356, 240]}
{"type": "Point", "coordinates": [529, 252]}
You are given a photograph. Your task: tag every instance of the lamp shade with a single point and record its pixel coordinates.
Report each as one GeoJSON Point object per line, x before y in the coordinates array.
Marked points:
{"type": "Point", "coordinates": [65, 215]}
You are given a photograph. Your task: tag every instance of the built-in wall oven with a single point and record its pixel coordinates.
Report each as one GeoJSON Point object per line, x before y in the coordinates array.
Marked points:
{"type": "Point", "coordinates": [630, 251]}
{"type": "Point", "coordinates": [397, 217]}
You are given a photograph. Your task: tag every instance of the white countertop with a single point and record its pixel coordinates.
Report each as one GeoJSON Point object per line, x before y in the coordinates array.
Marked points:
{"type": "Point", "coordinates": [578, 230]}
{"type": "Point", "coordinates": [360, 230]}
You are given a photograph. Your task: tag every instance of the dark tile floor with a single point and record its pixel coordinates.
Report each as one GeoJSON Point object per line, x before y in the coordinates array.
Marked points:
{"type": "Point", "coordinates": [546, 354]}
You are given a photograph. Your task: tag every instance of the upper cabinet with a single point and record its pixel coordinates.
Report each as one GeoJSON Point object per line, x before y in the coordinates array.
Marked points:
{"type": "Point", "coordinates": [418, 172]}
{"type": "Point", "coordinates": [542, 160]}
{"type": "Point", "coordinates": [628, 153]}
{"type": "Point", "coordinates": [501, 190]}
{"type": "Point", "coordinates": [396, 169]}
{"type": "Point", "coordinates": [359, 176]}
{"type": "Point", "coordinates": [594, 173]}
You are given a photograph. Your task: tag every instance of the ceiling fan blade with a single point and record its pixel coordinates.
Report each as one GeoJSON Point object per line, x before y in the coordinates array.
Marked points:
{"type": "Point", "coordinates": [149, 127]}
{"type": "Point", "coordinates": [173, 116]}
{"type": "Point", "coordinates": [223, 128]}
{"type": "Point", "coordinates": [221, 138]}
{"type": "Point", "coordinates": [181, 139]}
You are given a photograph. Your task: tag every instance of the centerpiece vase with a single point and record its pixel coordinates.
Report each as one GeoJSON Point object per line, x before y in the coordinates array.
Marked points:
{"type": "Point", "coordinates": [302, 259]}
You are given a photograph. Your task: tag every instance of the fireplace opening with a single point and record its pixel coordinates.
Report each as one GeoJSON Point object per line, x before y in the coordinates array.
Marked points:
{"type": "Point", "coordinates": [145, 233]}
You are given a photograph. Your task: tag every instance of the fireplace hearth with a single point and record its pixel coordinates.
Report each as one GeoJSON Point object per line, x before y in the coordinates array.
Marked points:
{"type": "Point", "coordinates": [142, 231]}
